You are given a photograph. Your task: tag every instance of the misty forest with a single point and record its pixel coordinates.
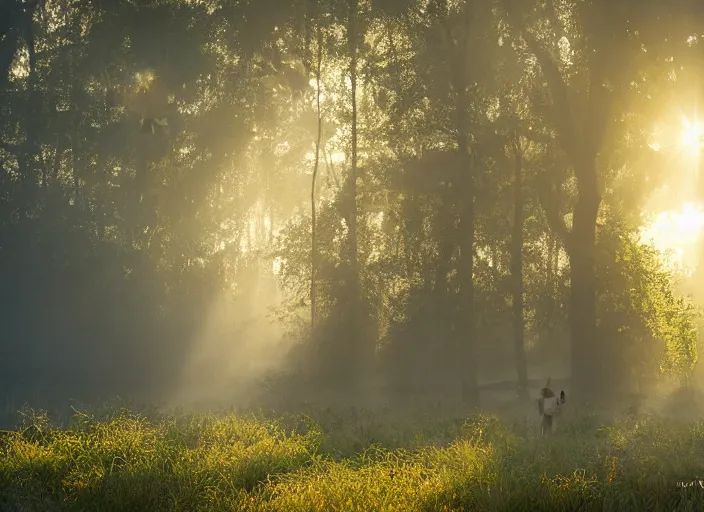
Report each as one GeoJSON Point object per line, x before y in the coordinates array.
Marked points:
{"type": "Point", "coordinates": [325, 254]}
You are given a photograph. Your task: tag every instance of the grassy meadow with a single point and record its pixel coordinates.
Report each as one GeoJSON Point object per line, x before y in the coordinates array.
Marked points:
{"type": "Point", "coordinates": [349, 460]}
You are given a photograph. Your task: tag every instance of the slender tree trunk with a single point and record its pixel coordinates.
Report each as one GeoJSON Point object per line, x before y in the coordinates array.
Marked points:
{"type": "Point", "coordinates": [74, 125]}
{"type": "Point", "coordinates": [517, 272]}
{"type": "Point", "coordinates": [314, 248]}
{"type": "Point", "coordinates": [352, 187]}
{"type": "Point", "coordinates": [443, 264]}
{"type": "Point", "coordinates": [139, 182]}
{"type": "Point", "coordinates": [551, 265]}
{"type": "Point", "coordinates": [352, 348]}
{"type": "Point", "coordinates": [76, 180]}
{"type": "Point", "coordinates": [352, 35]}
{"type": "Point", "coordinates": [550, 259]}
{"type": "Point", "coordinates": [32, 121]}
{"type": "Point", "coordinates": [465, 325]}
{"type": "Point", "coordinates": [442, 299]}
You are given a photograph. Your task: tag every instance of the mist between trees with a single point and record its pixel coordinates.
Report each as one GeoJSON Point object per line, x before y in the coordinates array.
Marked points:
{"type": "Point", "coordinates": [221, 200]}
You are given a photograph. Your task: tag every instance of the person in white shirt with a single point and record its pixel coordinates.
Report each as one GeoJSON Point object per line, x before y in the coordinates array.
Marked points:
{"type": "Point", "coordinates": [549, 406]}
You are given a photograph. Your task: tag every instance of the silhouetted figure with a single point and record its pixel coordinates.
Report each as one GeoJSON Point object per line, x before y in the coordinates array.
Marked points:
{"type": "Point", "coordinates": [147, 126]}
{"type": "Point", "coordinates": [154, 126]}
{"type": "Point", "coordinates": [548, 406]}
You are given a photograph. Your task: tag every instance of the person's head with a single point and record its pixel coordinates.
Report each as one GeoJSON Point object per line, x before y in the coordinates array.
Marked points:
{"type": "Point", "coordinates": [546, 393]}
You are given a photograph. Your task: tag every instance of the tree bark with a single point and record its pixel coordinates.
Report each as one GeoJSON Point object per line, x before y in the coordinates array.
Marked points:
{"type": "Point", "coordinates": [582, 142]}
{"type": "Point", "coordinates": [349, 349]}
{"type": "Point", "coordinates": [465, 325]}
{"type": "Point", "coordinates": [587, 370]}
{"type": "Point", "coordinates": [551, 268]}
{"type": "Point", "coordinates": [352, 39]}
{"type": "Point", "coordinates": [467, 351]}
{"type": "Point", "coordinates": [314, 248]}
{"type": "Point", "coordinates": [517, 271]}
{"type": "Point", "coordinates": [29, 171]}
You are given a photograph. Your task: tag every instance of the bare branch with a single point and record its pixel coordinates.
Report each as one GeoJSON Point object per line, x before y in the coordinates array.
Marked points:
{"type": "Point", "coordinates": [561, 109]}
{"type": "Point", "coordinates": [549, 200]}
{"type": "Point", "coordinates": [598, 111]}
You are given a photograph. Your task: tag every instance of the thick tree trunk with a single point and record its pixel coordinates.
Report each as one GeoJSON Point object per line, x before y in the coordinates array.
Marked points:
{"type": "Point", "coordinates": [588, 376]}
{"type": "Point", "coordinates": [517, 272]}
{"type": "Point", "coordinates": [582, 140]}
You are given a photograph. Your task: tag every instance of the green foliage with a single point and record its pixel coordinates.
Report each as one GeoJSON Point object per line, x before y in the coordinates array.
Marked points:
{"type": "Point", "coordinates": [147, 227]}
{"type": "Point", "coordinates": [679, 330]}
{"type": "Point", "coordinates": [649, 326]}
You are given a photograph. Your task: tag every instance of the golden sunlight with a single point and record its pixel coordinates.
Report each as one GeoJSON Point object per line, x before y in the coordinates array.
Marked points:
{"type": "Point", "coordinates": [692, 134]}
{"type": "Point", "coordinates": [337, 157]}
{"type": "Point", "coordinates": [144, 80]}
{"type": "Point", "coordinates": [676, 233]}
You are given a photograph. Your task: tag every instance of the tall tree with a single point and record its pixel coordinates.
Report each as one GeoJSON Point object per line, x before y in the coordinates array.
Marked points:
{"type": "Point", "coordinates": [516, 148]}
{"type": "Point", "coordinates": [352, 39]}
{"type": "Point", "coordinates": [584, 107]}
{"type": "Point", "coordinates": [461, 54]}
{"type": "Point", "coordinates": [352, 311]}
{"type": "Point", "coordinates": [314, 248]}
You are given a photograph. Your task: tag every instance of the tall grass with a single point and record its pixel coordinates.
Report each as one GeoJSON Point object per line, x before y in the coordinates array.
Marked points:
{"type": "Point", "coordinates": [348, 461]}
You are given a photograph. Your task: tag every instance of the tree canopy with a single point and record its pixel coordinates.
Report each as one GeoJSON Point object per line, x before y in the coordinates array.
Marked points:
{"type": "Point", "coordinates": [417, 195]}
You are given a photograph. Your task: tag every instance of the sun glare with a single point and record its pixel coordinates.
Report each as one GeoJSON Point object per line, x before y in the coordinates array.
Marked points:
{"type": "Point", "coordinates": [676, 232]}
{"type": "Point", "coordinates": [692, 133]}
{"type": "Point", "coordinates": [337, 157]}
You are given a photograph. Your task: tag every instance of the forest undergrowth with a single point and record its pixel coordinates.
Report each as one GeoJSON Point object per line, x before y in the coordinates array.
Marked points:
{"type": "Point", "coordinates": [349, 460]}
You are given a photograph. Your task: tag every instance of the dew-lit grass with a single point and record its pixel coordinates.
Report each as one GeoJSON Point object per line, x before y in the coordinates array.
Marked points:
{"type": "Point", "coordinates": [348, 460]}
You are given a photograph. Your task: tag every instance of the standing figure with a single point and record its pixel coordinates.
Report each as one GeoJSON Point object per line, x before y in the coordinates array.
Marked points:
{"type": "Point", "coordinates": [548, 406]}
